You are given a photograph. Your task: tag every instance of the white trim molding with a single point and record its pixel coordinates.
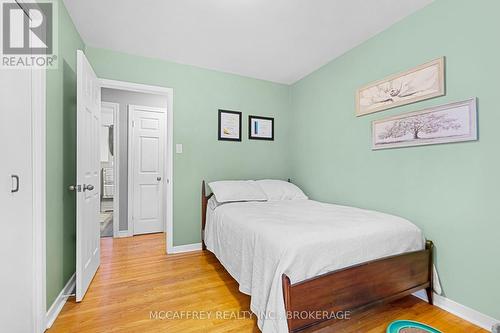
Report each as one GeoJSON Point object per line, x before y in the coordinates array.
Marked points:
{"type": "Point", "coordinates": [38, 147]}
{"type": "Point", "coordinates": [137, 87]}
{"type": "Point", "coordinates": [61, 299]}
{"type": "Point", "coordinates": [185, 248]}
{"type": "Point", "coordinates": [169, 93]}
{"type": "Point", "coordinates": [123, 233]}
{"type": "Point", "coordinates": [116, 164]}
{"type": "Point", "coordinates": [473, 316]}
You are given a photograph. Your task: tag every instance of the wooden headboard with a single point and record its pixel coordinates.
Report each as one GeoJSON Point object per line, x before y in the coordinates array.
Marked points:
{"type": "Point", "coordinates": [204, 203]}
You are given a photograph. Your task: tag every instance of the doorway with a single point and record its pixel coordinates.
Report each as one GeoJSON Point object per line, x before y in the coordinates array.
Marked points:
{"type": "Point", "coordinates": [91, 92]}
{"type": "Point", "coordinates": [134, 162]}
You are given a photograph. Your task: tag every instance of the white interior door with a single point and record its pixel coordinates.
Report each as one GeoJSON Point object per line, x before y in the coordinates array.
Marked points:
{"type": "Point", "coordinates": [147, 161]}
{"type": "Point", "coordinates": [16, 202]}
{"type": "Point", "coordinates": [88, 167]}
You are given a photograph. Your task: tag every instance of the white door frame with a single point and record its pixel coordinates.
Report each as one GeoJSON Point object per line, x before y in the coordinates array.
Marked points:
{"type": "Point", "coordinates": [38, 85]}
{"type": "Point", "coordinates": [116, 167]}
{"type": "Point", "coordinates": [169, 165]}
{"type": "Point", "coordinates": [130, 180]}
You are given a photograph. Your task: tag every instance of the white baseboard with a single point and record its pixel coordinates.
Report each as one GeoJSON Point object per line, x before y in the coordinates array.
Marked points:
{"type": "Point", "coordinates": [185, 248]}
{"type": "Point", "coordinates": [459, 310]}
{"type": "Point", "coordinates": [61, 299]}
{"type": "Point", "coordinates": [123, 233]}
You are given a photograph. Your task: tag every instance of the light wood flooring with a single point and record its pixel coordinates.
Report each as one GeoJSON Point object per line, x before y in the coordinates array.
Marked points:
{"type": "Point", "coordinates": [136, 278]}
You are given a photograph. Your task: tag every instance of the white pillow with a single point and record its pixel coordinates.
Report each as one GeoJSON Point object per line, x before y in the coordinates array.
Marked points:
{"type": "Point", "coordinates": [277, 190]}
{"type": "Point", "coordinates": [237, 190]}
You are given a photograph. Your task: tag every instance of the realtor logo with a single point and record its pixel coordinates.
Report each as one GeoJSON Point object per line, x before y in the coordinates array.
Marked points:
{"type": "Point", "coordinates": [28, 34]}
{"type": "Point", "coordinates": [27, 30]}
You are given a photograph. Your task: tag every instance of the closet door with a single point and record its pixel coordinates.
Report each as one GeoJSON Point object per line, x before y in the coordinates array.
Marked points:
{"type": "Point", "coordinates": [16, 202]}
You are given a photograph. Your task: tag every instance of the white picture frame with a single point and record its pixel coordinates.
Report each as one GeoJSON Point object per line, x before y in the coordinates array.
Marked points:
{"type": "Point", "coordinates": [454, 122]}
{"type": "Point", "coordinates": [417, 84]}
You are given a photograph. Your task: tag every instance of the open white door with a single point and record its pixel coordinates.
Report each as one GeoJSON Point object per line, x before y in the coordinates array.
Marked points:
{"type": "Point", "coordinates": [87, 169]}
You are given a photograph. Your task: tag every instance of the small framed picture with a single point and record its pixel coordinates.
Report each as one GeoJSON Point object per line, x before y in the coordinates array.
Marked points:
{"type": "Point", "coordinates": [229, 125]}
{"type": "Point", "coordinates": [260, 128]}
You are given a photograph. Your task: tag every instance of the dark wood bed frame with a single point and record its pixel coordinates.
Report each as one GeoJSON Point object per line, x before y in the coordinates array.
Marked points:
{"type": "Point", "coordinates": [354, 288]}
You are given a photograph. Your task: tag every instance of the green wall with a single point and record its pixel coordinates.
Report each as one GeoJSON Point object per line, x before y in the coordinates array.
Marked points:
{"type": "Point", "coordinates": [198, 94]}
{"type": "Point", "coordinates": [61, 159]}
{"type": "Point", "coordinates": [450, 190]}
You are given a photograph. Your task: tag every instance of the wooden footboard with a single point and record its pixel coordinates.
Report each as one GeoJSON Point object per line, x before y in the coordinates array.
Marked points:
{"type": "Point", "coordinates": [351, 289]}
{"type": "Point", "coordinates": [356, 288]}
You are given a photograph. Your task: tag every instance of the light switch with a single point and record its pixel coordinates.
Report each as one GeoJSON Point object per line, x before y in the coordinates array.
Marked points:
{"type": "Point", "coordinates": [178, 148]}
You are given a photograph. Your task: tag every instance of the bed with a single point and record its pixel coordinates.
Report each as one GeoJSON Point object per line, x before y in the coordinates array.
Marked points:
{"type": "Point", "coordinates": [304, 262]}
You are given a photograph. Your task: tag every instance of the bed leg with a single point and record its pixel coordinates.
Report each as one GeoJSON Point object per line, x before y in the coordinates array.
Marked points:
{"type": "Point", "coordinates": [430, 296]}
{"type": "Point", "coordinates": [203, 246]}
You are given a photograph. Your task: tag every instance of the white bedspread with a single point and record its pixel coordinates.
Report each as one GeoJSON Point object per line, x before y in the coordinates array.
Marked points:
{"type": "Point", "coordinates": [259, 241]}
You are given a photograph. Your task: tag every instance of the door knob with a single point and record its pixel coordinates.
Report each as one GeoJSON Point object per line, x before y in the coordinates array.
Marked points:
{"type": "Point", "coordinates": [77, 188]}
{"type": "Point", "coordinates": [158, 178]}
{"type": "Point", "coordinates": [88, 187]}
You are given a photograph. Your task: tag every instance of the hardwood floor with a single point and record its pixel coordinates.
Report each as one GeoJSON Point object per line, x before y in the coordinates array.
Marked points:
{"type": "Point", "coordinates": [136, 279]}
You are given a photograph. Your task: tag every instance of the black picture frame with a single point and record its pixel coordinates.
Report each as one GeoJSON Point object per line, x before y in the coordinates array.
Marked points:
{"type": "Point", "coordinates": [251, 137]}
{"type": "Point", "coordinates": [219, 136]}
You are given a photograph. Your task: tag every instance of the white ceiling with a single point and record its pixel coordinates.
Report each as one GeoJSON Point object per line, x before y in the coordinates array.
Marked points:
{"type": "Point", "coordinates": [275, 40]}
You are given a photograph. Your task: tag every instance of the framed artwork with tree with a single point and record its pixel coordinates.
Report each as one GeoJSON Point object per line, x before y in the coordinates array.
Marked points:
{"type": "Point", "coordinates": [452, 122]}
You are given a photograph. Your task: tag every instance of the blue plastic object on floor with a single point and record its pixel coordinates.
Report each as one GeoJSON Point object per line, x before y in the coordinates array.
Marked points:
{"type": "Point", "coordinates": [404, 326]}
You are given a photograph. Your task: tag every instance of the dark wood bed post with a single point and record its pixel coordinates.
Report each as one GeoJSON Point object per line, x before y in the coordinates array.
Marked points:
{"type": "Point", "coordinates": [285, 284]}
{"type": "Point", "coordinates": [204, 202]}
{"type": "Point", "coordinates": [429, 245]}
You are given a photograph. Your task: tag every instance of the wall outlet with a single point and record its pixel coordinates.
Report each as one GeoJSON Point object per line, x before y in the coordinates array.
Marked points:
{"type": "Point", "coordinates": [178, 148]}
